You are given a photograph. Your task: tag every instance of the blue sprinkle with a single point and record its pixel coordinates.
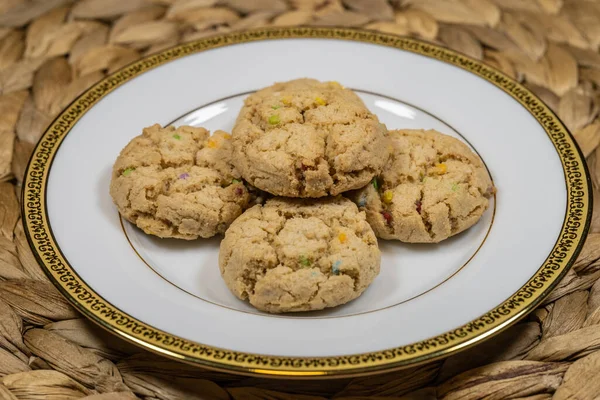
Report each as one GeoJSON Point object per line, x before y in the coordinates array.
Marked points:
{"type": "Point", "coordinates": [362, 201]}
{"type": "Point", "coordinates": [313, 274]}
{"type": "Point", "coordinates": [336, 267]}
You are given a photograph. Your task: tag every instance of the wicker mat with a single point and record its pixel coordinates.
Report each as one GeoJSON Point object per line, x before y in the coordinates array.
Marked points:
{"type": "Point", "coordinates": [51, 50]}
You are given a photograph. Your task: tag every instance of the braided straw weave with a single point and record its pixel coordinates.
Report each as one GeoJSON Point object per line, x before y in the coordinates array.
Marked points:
{"type": "Point", "coordinates": [51, 50]}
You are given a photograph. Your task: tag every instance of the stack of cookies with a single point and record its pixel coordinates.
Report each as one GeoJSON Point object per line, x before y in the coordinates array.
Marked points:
{"type": "Point", "coordinates": [301, 188]}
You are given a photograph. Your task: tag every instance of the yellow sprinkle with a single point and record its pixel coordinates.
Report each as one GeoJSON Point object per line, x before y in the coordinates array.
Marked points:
{"type": "Point", "coordinates": [212, 144]}
{"type": "Point", "coordinates": [441, 168]}
{"type": "Point", "coordinates": [335, 84]}
{"type": "Point", "coordinates": [320, 101]}
{"type": "Point", "coordinates": [287, 100]}
{"type": "Point", "coordinates": [388, 195]}
{"type": "Point", "coordinates": [342, 237]}
{"type": "Point", "coordinates": [226, 136]}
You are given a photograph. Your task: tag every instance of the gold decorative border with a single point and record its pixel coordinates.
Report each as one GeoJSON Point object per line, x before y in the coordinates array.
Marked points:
{"type": "Point", "coordinates": [564, 253]}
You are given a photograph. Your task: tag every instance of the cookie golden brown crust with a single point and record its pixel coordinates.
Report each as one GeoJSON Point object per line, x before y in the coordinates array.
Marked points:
{"type": "Point", "coordinates": [299, 255]}
{"type": "Point", "coordinates": [178, 183]}
{"type": "Point", "coordinates": [433, 187]}
{"type": "Point", "coordinates": [306, 138]}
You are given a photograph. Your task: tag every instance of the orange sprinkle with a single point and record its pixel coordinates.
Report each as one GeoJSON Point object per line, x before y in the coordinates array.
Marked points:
{"type": "Point", "coordinates": [342, 237]}
{"type": "Point", "coordinates": [226, 136]}
{"type": "Point", "coordinates": [212, 144]}
{"type": "Point", "coordinates": [441, 168]}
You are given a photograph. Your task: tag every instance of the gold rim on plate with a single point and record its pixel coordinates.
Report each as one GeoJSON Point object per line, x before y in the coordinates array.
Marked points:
{"type": "Point", "coordinates": [567, 247]}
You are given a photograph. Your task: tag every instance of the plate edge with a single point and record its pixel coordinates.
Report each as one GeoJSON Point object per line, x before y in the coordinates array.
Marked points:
{"type": "Point", "coordinates": [109, 317]}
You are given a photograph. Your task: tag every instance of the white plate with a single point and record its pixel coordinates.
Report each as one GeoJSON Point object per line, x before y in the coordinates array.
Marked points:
{"type": "Point", "coordinates": [428, 301]}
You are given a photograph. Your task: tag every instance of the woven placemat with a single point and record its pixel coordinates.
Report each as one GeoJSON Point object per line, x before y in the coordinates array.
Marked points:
{"type": "Point", "coordinates": [51, 50]}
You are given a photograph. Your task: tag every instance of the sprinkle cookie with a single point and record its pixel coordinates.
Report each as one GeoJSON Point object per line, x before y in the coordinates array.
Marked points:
{"type": "Point", "coordinates": [178, 183]}
{"type": "Point", "coordinates": [433, 187]}
{"type": "Point", "coordinates": [306, 138]}
{"type": "Point", "coordinates": [299, 255]}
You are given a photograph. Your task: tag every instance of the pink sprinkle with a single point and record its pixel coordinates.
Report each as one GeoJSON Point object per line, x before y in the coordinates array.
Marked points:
{"type": "Point", "coordinates": [239, 191]}
{"type": "Point", "coordinates": [184, 176]}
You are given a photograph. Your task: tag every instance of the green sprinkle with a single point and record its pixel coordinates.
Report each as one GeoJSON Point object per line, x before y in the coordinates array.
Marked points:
{"type": "Point", "coordinates": [128, 171]}
{"type": "Point", "coordinates": [176, 136]}
{"type": "Point", "coordinates": [375, 183]}
{"type": "Point", "coordinates": [424, 179]}
{"type": "Point", "coordinates": [454, 187]}
{"type": "Point", "coordinates": [274, 119]}
{"type": "Point", "coordinates": [304, 261]}
{"type": "Point", "coordinates": [235, 181]}
{"type": "Point", "coordinates": [275, 107]}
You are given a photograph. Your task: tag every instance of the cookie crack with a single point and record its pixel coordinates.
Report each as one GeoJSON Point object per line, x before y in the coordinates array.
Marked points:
{"type": "Point", "coordinates": [352, 274]}
{"type": "Point", "coordinates": [316, 293]}
{"type": "Point", "coordinates": [424, 213]}
{"type": "Point", "coordinates": [453, 220]}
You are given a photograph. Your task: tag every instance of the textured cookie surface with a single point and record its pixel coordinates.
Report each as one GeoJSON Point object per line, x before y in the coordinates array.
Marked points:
{"type": "Point", "coordinates": [178, 183]}
{"type": "Point", "coordinates": [299, 255]}
{"type": "Point", "coordinates": [433, 187]}
{"type": "Point", "coordinates": [306, 138]}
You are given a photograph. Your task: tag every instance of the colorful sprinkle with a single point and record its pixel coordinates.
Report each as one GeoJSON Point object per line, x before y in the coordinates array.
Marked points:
{"type": "Point", "coordinates": [442, 168]}
{"type": "Point", "coordinates": [304, 261]}
{"type": "Point", "coordinates": [388, 195]}
{"type": "Point", "coordinates": [320, 101]}
{"type": "Point", "coordinates": [275, 107]}
{"type": "Point", "coordinates": [335, 268]}
{"type": "Point", "coordinates": [362, 201]}
{"type": "Point", "coordinates": [490, 191]}
{"type": "Point", "coordinates": [286, 100]}
{"type": "Point", "coordinates": [454, 186]}
{"type": "Point", "coordinates": [418, 204]}
{"type": "Point", "coordinates": [177, 136]}
{"type": "Point", "coordinates": [313, 274]}
{"type": "Point", "coordinates": [235, 181]}
{"type": "Point", "coordinates": [274, 119]}
{"type": "Point", "coordinates": [212, 144]}
{"type": "Point", "coordinates": [342, 237]}
{"type": "Point", "coordinates": [375, 183]}
{"type": "Point", "coordinates": [184, 176]}
{"type": "Point", "coordinates": [335, 84]}
{"type": "Point", "coordinates": [128, 171]}
{"type": "Point", "coordinates": [226, 136]}
{"type": "Point", "coordinates": [387, 216]}
{"type": "Point", "coordinates": [239, 191]}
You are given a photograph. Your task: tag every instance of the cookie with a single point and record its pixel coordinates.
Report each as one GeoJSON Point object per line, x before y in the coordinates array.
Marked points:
{"type": "Point", "coordinates": [306, 138]}
{"type": "Point", "coordinates": [178, 183]}
{"type": "Point", "coordinates": [433, 187]}
{"type": "Point", "coordinates": [299, 254]}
